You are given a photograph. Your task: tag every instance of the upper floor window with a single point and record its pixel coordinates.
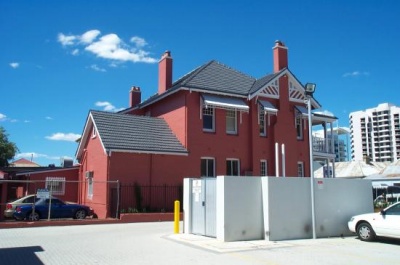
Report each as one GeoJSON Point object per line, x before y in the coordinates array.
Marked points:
{"type": "Point", "coordinates": [207, 167]}
{"type": "Point", "coordinates": [94, 133]}
{"type": "Point", "coordinates": [232, 167]}
{"type": "Point", "coordinates": [299, 125]}
{"type": "Point", "coordinates": [208, 119]}
{"type": "Point", "coordinates": [263, 167]}
{"type": "Point", "coordinates": [231, 121]}
{"type": "Point", "coordinates": [261, 120]}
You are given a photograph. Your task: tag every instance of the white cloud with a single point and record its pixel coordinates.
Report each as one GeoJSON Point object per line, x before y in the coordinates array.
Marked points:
{"type": "Point", "coordinates": [14, 65]}
{"type": "Point", "coordinates": [48, 118]}
{"type": "Point", "coordinates": [109, 46]}
{"type": "Point", "coordinates": [355, 73]}
{"type": "Point", "coordinates": [97, 68]}
{"type": "Point", "coordinates": [69, 137]}
{"type": "Point", "coordinates": [33, 155]}
{"type": "Point", "coordinates": [2, 117]}
{"type": "Point", "coordinates": [75, 52]}
{"type": "Point", "coordinates": [107, 106]}
{"type": "Point", "coordinates": [139, 42]}
{"type": "Point", "coordinates": [89, 36]}
{"type": "Point", "coordinates": [66, 40]}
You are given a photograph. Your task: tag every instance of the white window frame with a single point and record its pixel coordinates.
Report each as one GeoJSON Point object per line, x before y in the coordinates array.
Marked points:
{"type": "Point", "coordinates": [94, 133]}
{"type": "Point", "coordinates": [300, 169]}
{"type": "Point", "coordinates": [207, 159]}
{"type": "Point", "coordinates": [263, 167]}
{"type": "Point", "coordinates": [232, 161]}
{"type": "Point", "coordinates": [231, 114]}
{"type": "Point", "coordinates": [209, 112]}
{"type": "Point", "coordinates": [56, 185]}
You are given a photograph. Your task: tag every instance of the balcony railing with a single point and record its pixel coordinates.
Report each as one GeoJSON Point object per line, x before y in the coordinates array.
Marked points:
{"type": "Point", "coordinates": [323, 145]}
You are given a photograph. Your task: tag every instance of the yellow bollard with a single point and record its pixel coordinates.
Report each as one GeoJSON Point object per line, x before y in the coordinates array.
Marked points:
{"type": "Point", "coordinates": [176, 217]}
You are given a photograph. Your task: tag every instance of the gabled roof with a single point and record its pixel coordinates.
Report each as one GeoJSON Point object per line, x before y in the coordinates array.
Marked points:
{"type": "Point", "coordinates": [259, 83]}
{"type": "Point", "coordinates": [22, 162]}
{"type": "Point", "coordinates": [216, 78]}
{"type": "Point", "coordinates": [131, 133]}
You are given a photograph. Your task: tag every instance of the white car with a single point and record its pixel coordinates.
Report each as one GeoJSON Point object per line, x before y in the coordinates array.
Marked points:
{"type": "Point", "coordinates": [382, 224]}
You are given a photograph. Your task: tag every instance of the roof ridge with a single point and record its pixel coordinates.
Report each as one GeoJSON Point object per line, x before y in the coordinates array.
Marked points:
{"type": "Point", "coordinates": [127, 114]}
{"type": "Point", "coordinates": [189, 76]}
{"type": "Point", "coordinates": [235, 70]}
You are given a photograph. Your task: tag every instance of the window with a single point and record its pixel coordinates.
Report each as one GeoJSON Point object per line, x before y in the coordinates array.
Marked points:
{"type": "Point", "coordinates": [300, 169]}
{"type": "Point", "coordinates": [207, 167]}
{"type": "Point", "coordinates": [94, 132]}
{"type": "Point", "coordinates": [231, 122]}
{"type": "Point", "coordinates": [56, 185]}
{"type": "Point", "coordinates": [299, 125]}
{"type": "Point", "coordinates": [208, 119]}
{"type": "Point", "coordinates": [263, 167]}
{"type": "Point", "coordinates": [232, 167]}
{"type": "Point", "coordinates": [261, 120]}
{"type": "Point", "coordinates": [90, 188]}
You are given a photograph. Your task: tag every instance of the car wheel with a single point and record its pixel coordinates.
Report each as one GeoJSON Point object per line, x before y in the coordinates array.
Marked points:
{"type": "Point", "coordinates": [80, 214]}
{"type": "Point", "coordinates": [365, 232]}
{"type": "Point", "coordinates": [33, 216]}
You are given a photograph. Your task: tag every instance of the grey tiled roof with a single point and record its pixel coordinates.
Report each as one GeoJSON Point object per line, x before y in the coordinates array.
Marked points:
{"type": "Point", "coordinates": [214, 77]}
{"type": "Point", "coordinates": [133, 133]}
{"type": "Point", "coordinates": [217, 77]}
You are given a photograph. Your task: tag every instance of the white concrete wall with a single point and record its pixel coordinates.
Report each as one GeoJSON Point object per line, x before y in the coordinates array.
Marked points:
{"type": "Point", "coordinates": [253, 208]}
{"type": "Point", "coordinates": [287, 208]}
{"type": "Point", "coordinates": [336, 200]}
{"type": "Point", "coordinates": [187, 201]}
{"type": "Point", "coordinates": [288, 204]}
{"type": "Point", "coordinates": [239, 209]}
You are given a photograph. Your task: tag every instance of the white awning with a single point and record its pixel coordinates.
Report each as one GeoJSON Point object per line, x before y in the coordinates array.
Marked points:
{"type": "Point", "coordinates": [224, 102]}
{"type": "Point", "coordinates": [268, 106]}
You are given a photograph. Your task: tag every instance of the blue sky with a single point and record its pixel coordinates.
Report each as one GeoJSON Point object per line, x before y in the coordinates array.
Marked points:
{"type": "Point", "coordinates": [61, 58]}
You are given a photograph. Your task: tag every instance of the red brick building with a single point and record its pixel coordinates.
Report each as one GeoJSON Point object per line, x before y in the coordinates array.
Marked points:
{"type": "Point", "coordinates": [212, 121]}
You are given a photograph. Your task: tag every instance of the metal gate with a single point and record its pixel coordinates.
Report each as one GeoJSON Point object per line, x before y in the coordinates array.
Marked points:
{"type": "Point", "coordinates": [204, 206]}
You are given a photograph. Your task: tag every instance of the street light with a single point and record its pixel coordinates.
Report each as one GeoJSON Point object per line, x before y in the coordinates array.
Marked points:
{"type": "Point", "coordinates": [310, 89]}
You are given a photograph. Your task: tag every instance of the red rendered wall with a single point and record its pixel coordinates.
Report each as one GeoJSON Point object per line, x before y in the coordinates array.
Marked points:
{"type": "Point", "coordinates": [95, 159]}
{"type": "Point", "coordinates": [71, 186]}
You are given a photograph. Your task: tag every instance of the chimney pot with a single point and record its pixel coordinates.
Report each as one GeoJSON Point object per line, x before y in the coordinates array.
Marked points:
{"type": "Point", "coordinates": [165, 72]}
{"type": "Point", "coordinates": [280, 52]}
{"type": "Point", "coordinates": [135, 96]}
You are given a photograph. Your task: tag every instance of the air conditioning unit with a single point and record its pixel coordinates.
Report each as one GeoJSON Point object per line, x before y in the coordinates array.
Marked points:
{"type": "Point", "coordinates": [89, 174]}
{"type": "Point", "coordinates": [66, 162]}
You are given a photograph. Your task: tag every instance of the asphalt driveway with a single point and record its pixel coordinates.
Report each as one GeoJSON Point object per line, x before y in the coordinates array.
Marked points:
{"type": "Point", "coordinates": [155, 243]}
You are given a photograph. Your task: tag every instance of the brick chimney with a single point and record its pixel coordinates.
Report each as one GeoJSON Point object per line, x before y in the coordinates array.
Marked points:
{"type": "Point", "coordinates": [135, 96]}
{"type": "Point", "coordinates": [280, 56]}
{"type": "Point", "coordinates": [165, 72]}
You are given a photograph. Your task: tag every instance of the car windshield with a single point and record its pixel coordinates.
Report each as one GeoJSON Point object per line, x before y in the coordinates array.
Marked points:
{"type": "Point", "coordinates": [393, 210]}
{"type": "Point", "coordinates": [47, 201]}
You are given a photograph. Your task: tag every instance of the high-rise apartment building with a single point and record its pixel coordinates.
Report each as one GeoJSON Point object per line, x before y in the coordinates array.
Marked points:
{"type": "Point", "coordinates": [375, 133]}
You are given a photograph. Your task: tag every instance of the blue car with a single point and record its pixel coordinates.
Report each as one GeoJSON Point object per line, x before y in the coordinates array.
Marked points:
{"type": "Point", "coordinates": [58, 209]}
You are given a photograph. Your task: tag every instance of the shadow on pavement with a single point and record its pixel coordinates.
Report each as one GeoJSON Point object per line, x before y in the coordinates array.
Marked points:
{"type": "Point", "coordinates": [21, 255]}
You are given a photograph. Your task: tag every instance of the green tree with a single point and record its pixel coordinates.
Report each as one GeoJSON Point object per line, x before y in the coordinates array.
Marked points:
{"type": "Point", "coordinates": [7, 149]}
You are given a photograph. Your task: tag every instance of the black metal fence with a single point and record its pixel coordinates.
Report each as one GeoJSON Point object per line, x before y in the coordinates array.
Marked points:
{"type": "Point", "coordinates": [135, 198]}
